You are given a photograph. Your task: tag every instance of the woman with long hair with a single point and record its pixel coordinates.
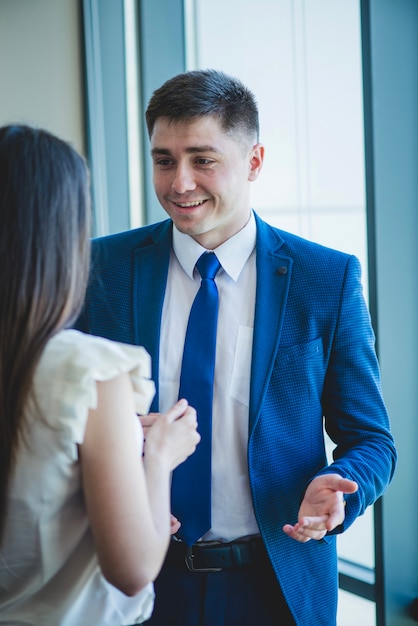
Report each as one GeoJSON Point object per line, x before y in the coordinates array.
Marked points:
{"type": "Point", "coordinates": [84, 509]}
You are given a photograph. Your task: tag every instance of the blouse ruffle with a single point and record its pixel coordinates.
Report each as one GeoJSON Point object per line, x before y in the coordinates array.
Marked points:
{"type": "Point", "coordinates": [72, 363]}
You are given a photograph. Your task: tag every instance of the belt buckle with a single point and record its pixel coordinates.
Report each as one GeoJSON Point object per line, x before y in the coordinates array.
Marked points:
{"type": "Point", "coordinates": [189, 556]}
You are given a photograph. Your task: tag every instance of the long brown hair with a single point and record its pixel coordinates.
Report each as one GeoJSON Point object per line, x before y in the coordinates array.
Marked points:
{"type": "Point", "coordinates": [44, 253]}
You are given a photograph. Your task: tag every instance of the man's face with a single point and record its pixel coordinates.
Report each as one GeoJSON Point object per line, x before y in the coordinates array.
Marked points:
{"type": "Point", "coordinates": [202, 176]}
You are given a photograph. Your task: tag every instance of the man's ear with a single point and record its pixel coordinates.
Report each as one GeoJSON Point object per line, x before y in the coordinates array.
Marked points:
{"type": "Point", "coordinates": [256, 158]}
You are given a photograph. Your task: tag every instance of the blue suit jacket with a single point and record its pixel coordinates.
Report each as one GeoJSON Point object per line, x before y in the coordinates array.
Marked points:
{"type": "Point", "coordinates": [313, 362]}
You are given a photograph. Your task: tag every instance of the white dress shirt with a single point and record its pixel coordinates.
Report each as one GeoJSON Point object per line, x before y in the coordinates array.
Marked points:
{"type": "Point", "coordinates": [232, 510]}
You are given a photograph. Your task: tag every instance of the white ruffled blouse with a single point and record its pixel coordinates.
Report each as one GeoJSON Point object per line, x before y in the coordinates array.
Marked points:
{"type": "Point", "coordinates": [49, 573]}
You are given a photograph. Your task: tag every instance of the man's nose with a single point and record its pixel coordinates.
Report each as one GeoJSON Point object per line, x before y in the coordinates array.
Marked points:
{"type": "Point", "coordinates": [183, 179]}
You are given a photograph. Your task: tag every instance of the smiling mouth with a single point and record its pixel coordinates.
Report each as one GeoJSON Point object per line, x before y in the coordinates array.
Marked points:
{"type": "Point", "coordinates": [189, 205]}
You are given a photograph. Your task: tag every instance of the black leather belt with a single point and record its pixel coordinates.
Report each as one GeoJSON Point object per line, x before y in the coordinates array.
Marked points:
{"type": "Point", "coordinates": [214, 556]}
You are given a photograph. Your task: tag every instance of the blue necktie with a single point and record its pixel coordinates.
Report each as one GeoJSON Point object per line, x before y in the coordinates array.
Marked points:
{"type": "Point", "coordinates": [191, 486]}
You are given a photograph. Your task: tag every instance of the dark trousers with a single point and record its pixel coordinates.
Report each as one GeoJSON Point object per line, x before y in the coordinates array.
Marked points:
{"type": "Point", "coordinates": [248, 596]}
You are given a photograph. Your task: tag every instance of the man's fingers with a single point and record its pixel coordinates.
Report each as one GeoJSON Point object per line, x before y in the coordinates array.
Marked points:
{"type": "Point", "coordinates": [303, 533]}
{"type": "Point", "coordinates": [348, 486]}
{"type": "Point", "coordinates": [318, 522]}
{"type": "Point", "coordinates": [335, 482]}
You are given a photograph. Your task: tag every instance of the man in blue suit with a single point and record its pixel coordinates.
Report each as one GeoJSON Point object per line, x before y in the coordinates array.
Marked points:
{"type": "Point", "coordinates": [294, 354]}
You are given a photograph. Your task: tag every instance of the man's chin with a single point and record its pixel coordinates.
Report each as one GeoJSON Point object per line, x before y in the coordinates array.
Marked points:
{"type": "Point", "coordinates": [189, 223]}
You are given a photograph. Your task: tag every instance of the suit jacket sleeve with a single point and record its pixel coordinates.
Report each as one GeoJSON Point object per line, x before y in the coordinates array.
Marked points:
{"type": "Point", "coordinates": [355, 415]}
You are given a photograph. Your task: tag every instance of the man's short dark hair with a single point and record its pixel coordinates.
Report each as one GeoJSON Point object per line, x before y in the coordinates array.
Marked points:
{"type": "Point", "coordinates": [205, 92]}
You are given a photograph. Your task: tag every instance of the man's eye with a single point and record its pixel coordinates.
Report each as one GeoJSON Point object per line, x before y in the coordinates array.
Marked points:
{"type": "Point", "coordinates": [163, 162]}
{"type": "Point", "coordinates": [202, 161]}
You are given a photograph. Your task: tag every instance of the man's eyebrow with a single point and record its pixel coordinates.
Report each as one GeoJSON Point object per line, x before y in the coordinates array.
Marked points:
{"type": "Point", "coordinates": [190, 150]}
{"type": "Point", "coordinates": [160, 151]}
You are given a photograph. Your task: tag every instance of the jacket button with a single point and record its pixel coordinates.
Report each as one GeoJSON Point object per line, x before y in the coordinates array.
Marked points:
{"type": "Point", "coordinates": [282, 270]}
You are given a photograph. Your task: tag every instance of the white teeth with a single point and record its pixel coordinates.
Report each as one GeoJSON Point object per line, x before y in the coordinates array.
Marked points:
{"type": "Point", "coordinates": [185, 205]}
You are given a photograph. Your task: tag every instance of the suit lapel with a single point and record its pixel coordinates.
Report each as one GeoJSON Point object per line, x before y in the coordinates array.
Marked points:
{"type": "Point", "coordinates": [273, 279]}
{"type": "Point", "coordinates": [151, 260]}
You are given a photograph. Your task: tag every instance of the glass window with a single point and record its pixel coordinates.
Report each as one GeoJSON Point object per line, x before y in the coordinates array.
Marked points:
{"type": "Point", "coordinates": [302, 60]}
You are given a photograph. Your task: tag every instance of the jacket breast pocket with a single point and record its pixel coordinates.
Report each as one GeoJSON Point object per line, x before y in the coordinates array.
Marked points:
{"type": "Point", "coordinates": [305, 351]}
{"type": "Point", "coordinates": [298, 376]}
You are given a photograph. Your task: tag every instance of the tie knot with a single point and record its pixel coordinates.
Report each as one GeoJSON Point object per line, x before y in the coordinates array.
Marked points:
{"type": "Point", "coordinates": [208, 265]}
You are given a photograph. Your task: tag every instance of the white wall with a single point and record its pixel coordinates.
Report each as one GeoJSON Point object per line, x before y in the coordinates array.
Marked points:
{"type": "Point", "coordinates": [41, 79]}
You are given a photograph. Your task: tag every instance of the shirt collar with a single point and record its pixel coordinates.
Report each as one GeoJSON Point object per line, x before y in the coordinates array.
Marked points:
{"type": "Point", "coordinates": [232, 254]}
